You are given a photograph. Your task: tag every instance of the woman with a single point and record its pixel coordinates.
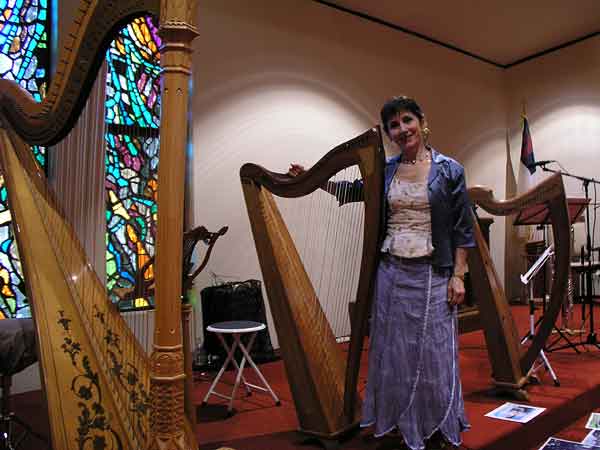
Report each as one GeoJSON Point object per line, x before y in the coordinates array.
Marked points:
{"type": "Point", "coordinates": [413, 383]}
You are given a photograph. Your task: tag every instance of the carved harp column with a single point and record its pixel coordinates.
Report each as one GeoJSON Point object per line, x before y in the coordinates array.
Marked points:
{"type": "Point", "coordinates": [510, 361]}
{"type": "Point", "coordinates": [323, 383]}
{"type": "Point", "coordinates": [167, 368]}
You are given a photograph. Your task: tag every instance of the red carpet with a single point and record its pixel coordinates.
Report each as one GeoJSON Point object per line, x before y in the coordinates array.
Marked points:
{"type": "Point", "coordinates": [260, 425]}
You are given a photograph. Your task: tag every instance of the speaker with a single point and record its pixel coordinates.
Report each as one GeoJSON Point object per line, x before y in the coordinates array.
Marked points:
{"type": "Point", "coordinates": [239, 300]}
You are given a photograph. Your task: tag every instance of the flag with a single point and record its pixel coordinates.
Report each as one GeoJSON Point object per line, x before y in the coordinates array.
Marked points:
{"type": "Point", "coordinates": [527, 157]}
{"type": "Point", "coordinates": [527, 176]}
{"type": "Point", "coordinates": [527, 167]}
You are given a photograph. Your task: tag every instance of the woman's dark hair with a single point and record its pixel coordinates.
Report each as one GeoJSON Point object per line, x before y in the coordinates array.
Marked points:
{"type": "Point", "coordinates": [396, 105]}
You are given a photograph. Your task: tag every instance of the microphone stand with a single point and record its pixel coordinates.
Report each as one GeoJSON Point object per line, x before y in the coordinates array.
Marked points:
{"type": "Point", "coordinates": [588, 296]}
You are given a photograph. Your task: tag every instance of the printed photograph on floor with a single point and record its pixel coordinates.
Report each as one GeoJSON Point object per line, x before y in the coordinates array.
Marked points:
{"type": "Point", "coordinates": [593, 422]}
{"type": "Point", "coordinates": [515, 412]}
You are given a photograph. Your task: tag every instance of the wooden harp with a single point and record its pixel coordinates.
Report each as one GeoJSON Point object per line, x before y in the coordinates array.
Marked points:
{"type": "Point", "coordinates": [510, 362]}
{"type": "Point", "coordinates": [323, 383]}
{"type": "Point", "coordinates": [102, 389]}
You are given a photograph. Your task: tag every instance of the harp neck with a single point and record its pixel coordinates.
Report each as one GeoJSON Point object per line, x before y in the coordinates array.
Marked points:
{"type": "Point", "coordinates": [93, 29]}
{"type": "Point", "coordinates": [344, 155]}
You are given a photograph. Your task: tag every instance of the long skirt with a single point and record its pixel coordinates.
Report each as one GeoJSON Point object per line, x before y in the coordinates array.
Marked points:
{"type": "Point", "coordinates": [413, 382]}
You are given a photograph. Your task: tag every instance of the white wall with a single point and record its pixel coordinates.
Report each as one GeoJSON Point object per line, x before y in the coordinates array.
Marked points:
{"type": "Point", "coordinates": [286, 81]}
{"type": "Point", "coordinates": [562, 95]}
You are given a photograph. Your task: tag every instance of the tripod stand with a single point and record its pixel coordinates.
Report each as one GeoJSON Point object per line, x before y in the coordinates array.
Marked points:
{"type": "Point", "coordinates": [527, 279]}
{"type": "Point", "coordinates": [540, 215]}
{"type": "Point", "coordinates": [588, 297]}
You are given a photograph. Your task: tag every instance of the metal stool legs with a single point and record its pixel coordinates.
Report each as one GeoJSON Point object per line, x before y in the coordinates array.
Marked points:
{"type": "Point", "coordinates": [237, 342]}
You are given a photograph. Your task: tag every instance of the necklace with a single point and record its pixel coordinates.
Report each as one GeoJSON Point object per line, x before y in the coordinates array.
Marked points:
{"type": "Point", "coordinates": [423, 156]}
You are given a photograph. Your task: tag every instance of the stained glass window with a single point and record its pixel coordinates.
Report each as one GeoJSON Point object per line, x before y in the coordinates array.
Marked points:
{"type": "Point", "coordinates": [24, 58]}
{"type": "Point", "coordinates": [132, 118]}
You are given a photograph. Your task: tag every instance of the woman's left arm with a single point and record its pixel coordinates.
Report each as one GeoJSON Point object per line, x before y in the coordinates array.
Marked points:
{"type": "Point", "coordinates": [462, 235]}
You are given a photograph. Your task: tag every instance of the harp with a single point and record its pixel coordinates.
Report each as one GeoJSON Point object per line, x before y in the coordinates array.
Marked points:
{"type": "Point", "coordinates": [510, 362]}
{"type": "Point", "coordinates": [101, 387]}
{"type": "Point", "coordinates": [322, 380]}
{"type": "Point", "coordinates": [144, 282]}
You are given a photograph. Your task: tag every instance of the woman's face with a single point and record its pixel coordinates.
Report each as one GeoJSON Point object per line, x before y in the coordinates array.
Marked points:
{"type": "Point", "coordinates": [406, 130]}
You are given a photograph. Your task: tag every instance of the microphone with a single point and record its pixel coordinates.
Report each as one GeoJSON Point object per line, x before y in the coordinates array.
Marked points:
{"type": "Point", "coordinates": [543, 162]}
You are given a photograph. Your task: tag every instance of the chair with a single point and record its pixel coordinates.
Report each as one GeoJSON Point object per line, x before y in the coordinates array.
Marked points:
{"type": "Point", "coordinates": [17, 352]}
{"type": "Point", "coordinates": [238, 328]}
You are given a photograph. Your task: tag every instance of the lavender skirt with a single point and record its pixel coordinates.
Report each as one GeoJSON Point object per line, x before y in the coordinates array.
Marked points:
{"type": "Point", "coordinates": [413, 382]}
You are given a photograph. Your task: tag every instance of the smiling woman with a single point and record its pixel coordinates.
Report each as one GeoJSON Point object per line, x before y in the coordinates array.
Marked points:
{"type": "Point", "coordinates": [408, 130]}
{"type": "Point", "coordinates": [418, 287]}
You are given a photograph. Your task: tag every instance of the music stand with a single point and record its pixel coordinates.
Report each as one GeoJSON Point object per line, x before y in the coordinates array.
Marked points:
{"type": "Point", "coordinates": [539, 214]}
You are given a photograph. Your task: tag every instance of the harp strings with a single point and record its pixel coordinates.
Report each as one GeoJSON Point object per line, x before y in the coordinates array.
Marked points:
{"type": "Point", "coordinates": [77, 163]}
{"type": "Point", "coordinates": [329, 241]}
{"type": "Point", "coordinates": [349, 253]}
{"type": "Point", "coordinates": [76, 166]}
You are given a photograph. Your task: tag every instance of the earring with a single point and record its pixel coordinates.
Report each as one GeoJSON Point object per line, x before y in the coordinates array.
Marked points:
{"type": "Point", "coordinates": [426, 133]}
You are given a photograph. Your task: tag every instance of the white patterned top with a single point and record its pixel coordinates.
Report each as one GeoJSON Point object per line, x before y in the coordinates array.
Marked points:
{"type": "Point", "coordinates": [408, 232]}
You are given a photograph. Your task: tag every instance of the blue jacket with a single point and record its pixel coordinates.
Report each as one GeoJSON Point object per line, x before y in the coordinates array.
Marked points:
{"type": "Point", "coordinates": [451, 217]}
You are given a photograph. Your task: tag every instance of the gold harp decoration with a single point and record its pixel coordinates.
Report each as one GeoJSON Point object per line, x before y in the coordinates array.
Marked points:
{"type": "Point", "coordinates": [510, 362]}
{"type": "Point", "coordinates": [100, 385]}
{"type": "Point", "coordinates": [323, 384]}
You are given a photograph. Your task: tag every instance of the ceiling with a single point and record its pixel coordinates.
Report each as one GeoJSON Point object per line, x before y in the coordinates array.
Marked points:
{"type": "Point", "coordinates": [500, 32]}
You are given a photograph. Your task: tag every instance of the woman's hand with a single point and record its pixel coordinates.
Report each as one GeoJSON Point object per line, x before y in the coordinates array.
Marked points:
{"type": "Point", "coordinates": [295, 170]}
{"type": "Point", "coordinates": [456, 285]}
{"type": "Point", "coordinates": [456, 291]}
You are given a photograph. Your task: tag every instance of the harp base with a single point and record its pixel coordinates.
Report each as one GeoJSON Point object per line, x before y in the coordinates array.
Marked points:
{"type": "Point", "coordinates": [513, 390]}
{"type": "Point", "coordinates": [330, 441]}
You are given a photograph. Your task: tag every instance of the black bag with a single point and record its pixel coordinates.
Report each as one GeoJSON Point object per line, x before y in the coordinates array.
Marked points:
{"type": "Point", "coordinates": [241, 300]}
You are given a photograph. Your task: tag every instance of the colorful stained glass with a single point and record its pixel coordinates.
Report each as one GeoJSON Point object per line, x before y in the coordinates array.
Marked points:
{"type": "Point", "coordinates": [132, 118]}
{"type": "Point", "coordinates": [24, 58]}
{"type": "Point", "coordinates": [24, 54]}
{"type": "Point", "coordinates": [133, 87]}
